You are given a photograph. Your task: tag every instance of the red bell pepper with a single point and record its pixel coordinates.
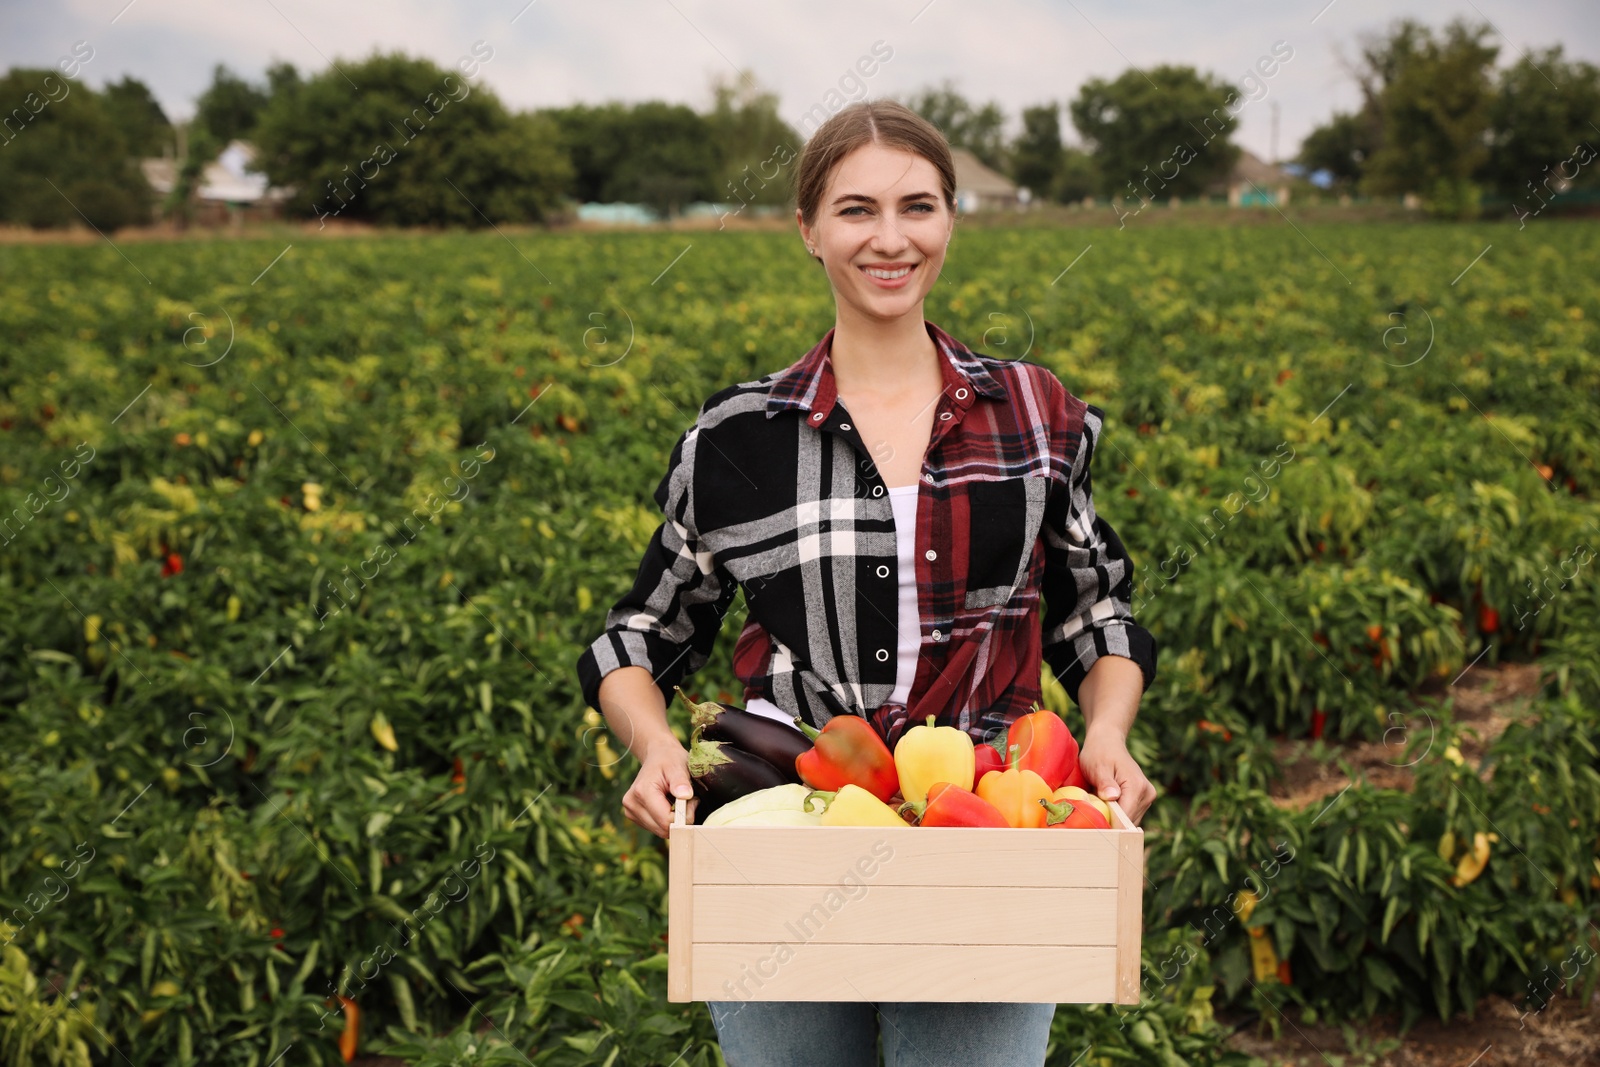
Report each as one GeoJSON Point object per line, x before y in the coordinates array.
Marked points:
{"type": "Point", "coordinates": [1047, 748]}
{"type": "Point", "coordinates": [1073, 815]}
{"type": "Point", "coordinates": [847, 750]}
{"type": "Point", "coordinates": [950, 805]}
{"type": "Point", "coordinates": [986, 758]}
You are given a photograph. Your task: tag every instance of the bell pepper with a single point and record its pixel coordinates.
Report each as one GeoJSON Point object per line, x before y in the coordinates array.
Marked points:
{"type": "Point", "coordinates": [1048, 747]}
{"type": "Point", "coordinates": [787, 799]}
{"type": "Point", "coordinates": [1072, 814]}
{"type": "Point", "coordinates": [847, 751]}
{"type": "Point", "coordinates": [1076, 793]}
{"type": "Point", "coordinates": [851, 805]}
{"type": "Point", "coordinates": [951, 805]}
{"type": "Point", "coordinates": [1472, 863]}
{"type": "Point", "coordinates": [986, 758]}
{"type": "Point", "coordinates": [1016, 792]}
{"type": "Point", "coordinates": [928, 754]}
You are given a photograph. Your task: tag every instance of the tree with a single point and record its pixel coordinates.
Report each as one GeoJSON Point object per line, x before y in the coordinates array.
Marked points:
{"type": "Point", "coordinates": [1078, 177]}
{"type": "Point", "coordinates": [1544, 108]}
{"type": "Point", "coordinates": [63, 157]}
{"type": "Point", "coordinates": [1341, 147]}
{"type": "Point", "coordinates": [753, 144]}
{"type": "Point", "coordinates": [415, 145]}
{"type": "Point", "coordinates": [1036, 154]}
{"type": "Point", "coordinates": [133, 109]}
{"type": "Point", "coordinates": [980, 130]}
{"type": "Point", "coordinates": [654, 153]}
{"type": "Point", "coordinates": [1434, 105]}
{"type": "Point", "coordinates": [230, 106]}
{"type": "Point", "coordinates": [1169, 126]}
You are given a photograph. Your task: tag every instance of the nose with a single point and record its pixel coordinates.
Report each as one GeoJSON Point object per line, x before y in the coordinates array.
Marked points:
{"type": "Point", "coordinates": [887, 237]}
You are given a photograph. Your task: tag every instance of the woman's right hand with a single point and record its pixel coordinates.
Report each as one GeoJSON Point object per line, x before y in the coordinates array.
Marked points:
{"type": "Point", "coordinates": [663, 776]}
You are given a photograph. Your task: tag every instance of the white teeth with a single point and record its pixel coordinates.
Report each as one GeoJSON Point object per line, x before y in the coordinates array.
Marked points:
{"type": "Point", "coordinates": [888, 275]}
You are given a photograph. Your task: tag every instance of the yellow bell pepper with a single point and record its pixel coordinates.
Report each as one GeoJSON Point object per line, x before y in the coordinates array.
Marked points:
{"type": "Point", "coordinates": [928, 754]}
{"type": "Point", "coordinates": [850, 805]}
{"type": "Point", "coordinates": [1472, 864]}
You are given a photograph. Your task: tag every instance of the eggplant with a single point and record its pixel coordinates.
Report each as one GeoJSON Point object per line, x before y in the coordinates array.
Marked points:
{"type": "Point", "coordinates": [720, 773]}
{"type": "Point", "coordinates": [758, 735]}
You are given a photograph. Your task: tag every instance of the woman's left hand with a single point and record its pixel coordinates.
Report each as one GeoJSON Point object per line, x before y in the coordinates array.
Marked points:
{"type": "Point", "coordinates": [1113, 774]}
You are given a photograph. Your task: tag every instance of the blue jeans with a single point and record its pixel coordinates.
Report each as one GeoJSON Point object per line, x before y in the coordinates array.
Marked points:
{"type": "Point", "coordinates": [847, 1033]}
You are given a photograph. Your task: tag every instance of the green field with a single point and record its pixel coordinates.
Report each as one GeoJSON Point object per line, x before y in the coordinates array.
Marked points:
{"type": "Point", "coordinates": [298, 553]}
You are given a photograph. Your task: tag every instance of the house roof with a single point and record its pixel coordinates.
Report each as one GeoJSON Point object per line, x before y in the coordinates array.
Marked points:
{"type": "Point", "coordinates": [225, 178]}
{"type": "Point", "coordinates": [972, 176]}
{"type": "Point", "coordinates": [1252, 168]}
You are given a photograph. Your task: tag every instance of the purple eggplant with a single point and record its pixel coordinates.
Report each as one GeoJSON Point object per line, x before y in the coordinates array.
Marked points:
{"type": "Point", "coordinates": [756, 734]}
{"type": "Point", "coordinates": [720, 772]}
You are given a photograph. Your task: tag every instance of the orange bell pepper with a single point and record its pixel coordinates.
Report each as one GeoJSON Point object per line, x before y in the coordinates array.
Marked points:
{"type": "Point", "coordinates": [1017, 792]}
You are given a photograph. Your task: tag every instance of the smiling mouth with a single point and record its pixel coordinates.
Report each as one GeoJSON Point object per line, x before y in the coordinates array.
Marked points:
{"type": "Point", "coordinates": [888, 275]}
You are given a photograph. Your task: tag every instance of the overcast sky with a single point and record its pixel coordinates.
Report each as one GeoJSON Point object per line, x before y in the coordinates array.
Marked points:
{"type": "Point", "coordinates": [556, 52]}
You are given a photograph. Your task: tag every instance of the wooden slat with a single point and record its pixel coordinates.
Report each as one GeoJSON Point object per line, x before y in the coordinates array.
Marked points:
{"type": "Point", "coordinates": [895, 914]}
{"type": "Point", "coordinates": [944, 973]}
{"type": "Point", "coordinates": [1130, 918]}
{"type": "Point", "coordinates": [922, 855]}
{"type": "Point", "coordinates": [680, 904]}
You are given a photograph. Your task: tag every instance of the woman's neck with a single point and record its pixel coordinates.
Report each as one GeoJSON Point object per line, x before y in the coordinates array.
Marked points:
{"type": "Point", "coordinates": [883, 359]}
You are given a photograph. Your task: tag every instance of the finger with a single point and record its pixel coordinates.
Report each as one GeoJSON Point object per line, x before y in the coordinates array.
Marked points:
{"type": "Point", "coordinates": [1112, 789]}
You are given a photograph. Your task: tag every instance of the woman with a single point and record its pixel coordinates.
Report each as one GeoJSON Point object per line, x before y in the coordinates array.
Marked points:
{"type": "Point", "coordinates": [894, 506]}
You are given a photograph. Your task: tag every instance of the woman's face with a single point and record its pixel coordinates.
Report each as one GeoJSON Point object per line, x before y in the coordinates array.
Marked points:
{"type": "Point", "coordinates": [883, 212]}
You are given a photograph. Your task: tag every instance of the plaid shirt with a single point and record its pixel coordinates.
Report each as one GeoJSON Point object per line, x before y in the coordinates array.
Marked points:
{"type": "Point", "coordinates": [773, 490]}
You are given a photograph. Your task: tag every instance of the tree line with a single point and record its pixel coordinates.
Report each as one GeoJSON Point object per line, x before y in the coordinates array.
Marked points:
{"type": "Point", "coordinates": [398, 140]}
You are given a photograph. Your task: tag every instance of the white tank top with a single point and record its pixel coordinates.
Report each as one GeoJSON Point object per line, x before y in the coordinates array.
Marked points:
{"type": "Point", "coordinates": [904, 501]}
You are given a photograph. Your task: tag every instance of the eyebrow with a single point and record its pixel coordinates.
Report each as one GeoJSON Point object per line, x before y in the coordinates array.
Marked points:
{"type": "Point", "coordinates": [870, 200]}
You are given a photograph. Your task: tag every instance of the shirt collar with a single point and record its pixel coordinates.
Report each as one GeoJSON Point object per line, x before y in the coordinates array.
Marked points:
{"type": "Point", "coordinates": [808, 384]}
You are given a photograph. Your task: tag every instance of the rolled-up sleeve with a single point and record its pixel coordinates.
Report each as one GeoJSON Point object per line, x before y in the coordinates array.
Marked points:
{"type": "Point", "coordinates": [668, 622]}
{"type": "Point", "coordinates": [1088, 576]}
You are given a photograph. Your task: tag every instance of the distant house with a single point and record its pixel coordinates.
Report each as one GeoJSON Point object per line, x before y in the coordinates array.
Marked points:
{"type": "Point", "coordinates": [1255, 181]}
{"type": "Point", "coordinates": [979, 188]}
{"type": "Point", "coordinates": [228, 192]}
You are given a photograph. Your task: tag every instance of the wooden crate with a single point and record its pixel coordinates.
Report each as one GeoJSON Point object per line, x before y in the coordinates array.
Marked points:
{"type": "Point", "coordinates": [919, 913]}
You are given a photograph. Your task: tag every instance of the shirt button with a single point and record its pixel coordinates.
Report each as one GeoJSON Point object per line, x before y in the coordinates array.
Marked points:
{"type": "Point", "coordinates": [961, 394]}
{"type": "Point", "coordinates": [883, 655]}
{"type": "Point", "coordinates": [817, 417]}
{"type": "Point", "coordinates": [930, 555]}
{"type": "Point", "coordinates": [943, 415]}
{"type": "Point", "coordinates": [877, 490]}
{"type": "Point", "coordinates": [937, 636]}
{"type": "Point", "coordinates": [928, 478]}
{"type": "Point", "coordinates": [844, 426]}
{"type": "Point", "coordinates": [883, 572]}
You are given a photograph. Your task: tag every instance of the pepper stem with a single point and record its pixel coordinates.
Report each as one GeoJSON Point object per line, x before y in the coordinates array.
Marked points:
{"type": "Point", "coordinates": [1015, 754]}
{"type": "Point", "coordinates": [1058, 809]}
{"type": "Point", "coordinates": [823, 797]}
{"type": "Point", "coordinates": [806, 728]}
{"type": "Point", "coordinates": [930, 721]}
